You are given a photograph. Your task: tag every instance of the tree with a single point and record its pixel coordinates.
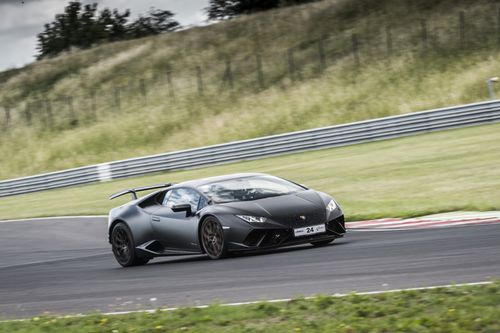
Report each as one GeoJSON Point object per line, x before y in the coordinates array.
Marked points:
{"type": "Point", "coordinates": [112, 25]}
{"type": "Point", "coordinates": [80, 26]}
{"type": "Point", "coordinates": [87, 29]}
{"type": "Point", "coordinates": [156, 22]}
{"type": "Point", "coordinates": [60, 34]}
{"type": "Point", "coordinates": [225, 9]}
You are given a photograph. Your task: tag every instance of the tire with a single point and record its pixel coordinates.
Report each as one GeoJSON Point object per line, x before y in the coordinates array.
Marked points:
{"type": "Point", "coordinates": [322, 243]}
{"type": "Point", "coordinates": [122, 244]}
{"type": "Point", "coordinates": [212, 238]}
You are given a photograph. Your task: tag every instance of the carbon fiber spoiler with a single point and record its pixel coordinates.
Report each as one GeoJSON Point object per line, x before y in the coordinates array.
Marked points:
{"type": "Point", "coordinates": [133, 191]}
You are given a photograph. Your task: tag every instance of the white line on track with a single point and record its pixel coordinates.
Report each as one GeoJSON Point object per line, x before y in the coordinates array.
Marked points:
{"type": "Point", "coordinates": [280, 300]}
{"type": "Point", "coordinates": [34, 219]}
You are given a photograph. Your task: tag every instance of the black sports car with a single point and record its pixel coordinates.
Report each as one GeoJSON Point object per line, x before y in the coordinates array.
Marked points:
{"type": "Point", "coordinates": [219, 215]}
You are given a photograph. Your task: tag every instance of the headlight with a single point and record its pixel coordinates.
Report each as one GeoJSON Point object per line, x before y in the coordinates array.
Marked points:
{"type": "Point", "coordinates": [331, 206]}
{"type": "Point", "coordinates": [252, 219]}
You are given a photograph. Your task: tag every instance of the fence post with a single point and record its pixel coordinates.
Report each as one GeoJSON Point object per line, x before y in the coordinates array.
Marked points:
{"type": "Point", "coordinates": [388, 40]}
{"type": "Point", "coordinates": [256, 35]}
{"type": "Point", "coordinates": [498, 25]}
{"type": "Point", "coordinates": [461, 28]}
{"type": "Point", "coordinates": [117, 96]}
{"type": "Point", "coordinates": [39, 108]}
{"type": "Point", "coordinates": [171, 91]}
{"type": "Point", "coordinates": [142, 87]}
{"type": "Point", "coordinates": [48, 111]}
{"type": "Point", "coordinates": [260, 73]}
{"type": "Point", "coordinates": [93, 105]}
{"type": "Point", "coordinates": [27, 113]}
{"type": "Point", "coordinates": [291, 64]}
{"type": "Point", "coordinates": [355, 49]}
{"type": "Point", "coordinates": [73, 120]}
{"type": "Point", "coordinates": [321, 54]}
{"type": "Point", "coordinates": [199, 80]}
{"type": "Point", "coordinates": [7, 116]}
{"type": "Point", "coordinates": [423, 32]}
{"type": "Point", "coordinates": [228, 73]}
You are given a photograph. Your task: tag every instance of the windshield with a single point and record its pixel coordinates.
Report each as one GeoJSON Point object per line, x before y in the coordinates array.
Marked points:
{"type": "Point", "coordinates": [248, 188]}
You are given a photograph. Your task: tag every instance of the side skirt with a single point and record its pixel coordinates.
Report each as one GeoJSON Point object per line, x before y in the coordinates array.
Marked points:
{"type": "Point", "coordinates": [155, 249]}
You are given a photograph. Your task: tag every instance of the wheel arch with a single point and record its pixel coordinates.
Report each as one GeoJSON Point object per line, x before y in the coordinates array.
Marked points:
{"type": "Point", "coordinates": [113, 224]}
{"type": "Point", "coordinates": [202, 219]}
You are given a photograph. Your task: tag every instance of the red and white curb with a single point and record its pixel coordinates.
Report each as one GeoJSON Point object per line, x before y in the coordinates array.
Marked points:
{"type": "Point", "coordinates": [429, 221]}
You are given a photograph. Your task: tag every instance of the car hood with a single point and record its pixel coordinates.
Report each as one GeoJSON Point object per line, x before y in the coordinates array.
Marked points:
{"type": "Point", "coordinates": [300, 208]}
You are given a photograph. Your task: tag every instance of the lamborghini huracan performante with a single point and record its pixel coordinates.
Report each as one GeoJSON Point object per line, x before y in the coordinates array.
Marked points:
{"type": "Point", "coordinates": [221, 215]}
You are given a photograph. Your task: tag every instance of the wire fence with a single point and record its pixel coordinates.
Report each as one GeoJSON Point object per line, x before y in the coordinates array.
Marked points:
{"type": "Point", "coordinates": [274, 145]}
{"type": "Point", "coordinates": [255, 71]}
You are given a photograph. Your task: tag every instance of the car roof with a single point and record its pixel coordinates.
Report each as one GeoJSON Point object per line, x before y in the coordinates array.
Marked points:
{"type": "Point", "coordinates": [208, 180]}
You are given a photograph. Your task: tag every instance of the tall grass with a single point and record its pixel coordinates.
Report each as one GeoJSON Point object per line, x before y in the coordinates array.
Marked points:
{"type": "Point", "coordinates": [323, 63]}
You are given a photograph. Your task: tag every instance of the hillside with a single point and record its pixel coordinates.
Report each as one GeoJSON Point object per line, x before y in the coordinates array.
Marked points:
{"type": "Point", "coordinates": [319, 64]}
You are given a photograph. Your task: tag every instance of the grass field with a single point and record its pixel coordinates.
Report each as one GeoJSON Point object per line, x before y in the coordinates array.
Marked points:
{"type": "Point", "coordinates": [54, 124]}
{"type": "Point", "coordinates": [428, 173]}
{"type": "Point", "coordinates": [453, 310]}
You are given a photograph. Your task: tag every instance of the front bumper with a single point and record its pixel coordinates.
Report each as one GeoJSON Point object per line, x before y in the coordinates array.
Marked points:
{"type": "Point", "coordinates": [260, 239]}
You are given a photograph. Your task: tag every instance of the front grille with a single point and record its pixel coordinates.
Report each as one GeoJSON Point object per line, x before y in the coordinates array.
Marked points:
{"type": "Point", "coordinates": [254, 237]}
{"type": "Point", "coordinates": [264, 238]}
{"type": "Point", "coordinates": [337, 225]}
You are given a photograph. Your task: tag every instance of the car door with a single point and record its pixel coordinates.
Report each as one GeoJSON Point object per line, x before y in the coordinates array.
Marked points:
{"type": "Point", "coordinates": [178, 230]}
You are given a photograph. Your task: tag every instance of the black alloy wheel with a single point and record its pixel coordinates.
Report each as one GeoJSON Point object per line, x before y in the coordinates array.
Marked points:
{"type": "Point", "coordinates": [123, 246]}
{"type": "Point", "coordinates": [212, 238]}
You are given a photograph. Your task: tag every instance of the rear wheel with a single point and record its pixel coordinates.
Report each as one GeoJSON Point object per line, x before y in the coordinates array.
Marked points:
{"type": "Point", "coordinates": [212, 238]}
{"type": "Point", "coordinates": [123, 246]}
{"type": "Point", "coordinates": [322, 243]}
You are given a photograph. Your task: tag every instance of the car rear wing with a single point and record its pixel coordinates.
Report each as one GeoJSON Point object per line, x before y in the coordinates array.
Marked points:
{"type": "Point", "coordinates": [133, 191]}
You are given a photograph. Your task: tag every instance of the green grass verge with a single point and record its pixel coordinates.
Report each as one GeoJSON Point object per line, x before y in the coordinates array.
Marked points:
{"type": "Point", "coordinates": [429, 173]}
{"type": "Point", "coordinates": [455, 309]}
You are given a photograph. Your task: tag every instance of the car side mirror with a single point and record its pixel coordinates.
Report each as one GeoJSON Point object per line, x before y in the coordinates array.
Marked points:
{"type": "Point", "coordinates": [182, 208]}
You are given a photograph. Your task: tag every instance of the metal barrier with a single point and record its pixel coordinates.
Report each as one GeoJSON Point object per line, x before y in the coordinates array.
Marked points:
{"type": "Point", "coordinates": [318, 138]}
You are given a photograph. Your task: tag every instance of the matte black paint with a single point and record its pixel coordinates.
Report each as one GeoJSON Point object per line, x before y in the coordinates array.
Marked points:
{"type": "Point", "coordinates": [160, 231]}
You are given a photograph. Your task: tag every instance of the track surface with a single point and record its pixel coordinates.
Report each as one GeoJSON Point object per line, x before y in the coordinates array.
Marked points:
{"type": "Point", "coordinates": [65, 266]}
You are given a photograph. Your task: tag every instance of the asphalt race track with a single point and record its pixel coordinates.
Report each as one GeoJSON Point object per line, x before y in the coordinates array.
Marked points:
{"type": "Point", "coordinates": [65, 266]}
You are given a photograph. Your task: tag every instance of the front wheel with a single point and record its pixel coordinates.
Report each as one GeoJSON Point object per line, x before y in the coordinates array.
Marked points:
{"type": "Point", "coordinates": [322, 243]}
{"type": "Point", "coordinates": [212, 238]}
{"type": "Point", "coordinates": [123, 247]}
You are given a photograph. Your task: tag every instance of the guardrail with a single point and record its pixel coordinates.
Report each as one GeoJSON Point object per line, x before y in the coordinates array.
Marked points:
{"type": "Point", "coordinates": [318, 138]}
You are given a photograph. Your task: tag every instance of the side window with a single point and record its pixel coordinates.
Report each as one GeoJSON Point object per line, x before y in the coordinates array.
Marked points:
{"type": "Point", "coordinates": [202, 203]}
{"type": "Point", "coordinates": [165, 198]}
{"type": "Point", "coordinates": [182, 196]}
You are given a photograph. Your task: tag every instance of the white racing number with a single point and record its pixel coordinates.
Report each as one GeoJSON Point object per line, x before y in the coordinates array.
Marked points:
{"type": "Point", "coordinates": [315, 229]}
